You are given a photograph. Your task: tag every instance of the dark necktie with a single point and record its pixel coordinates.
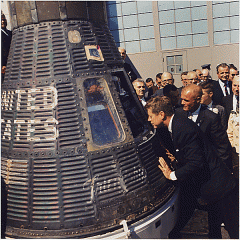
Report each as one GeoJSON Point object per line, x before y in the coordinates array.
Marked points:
{"type": "Point", "coordinates": [226, 91]}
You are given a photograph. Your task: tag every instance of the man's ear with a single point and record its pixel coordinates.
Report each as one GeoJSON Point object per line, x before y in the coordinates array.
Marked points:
{"type": "Point", "coordinates": [211, 94]}
{"type": "Point", "coordinates": [162, 115]}
{"type": "Point", "coordinates": [198, 99]}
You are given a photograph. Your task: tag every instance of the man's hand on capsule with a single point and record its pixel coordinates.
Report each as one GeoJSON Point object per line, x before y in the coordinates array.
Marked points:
{"type": "Point", "coordinates": [164, 168]}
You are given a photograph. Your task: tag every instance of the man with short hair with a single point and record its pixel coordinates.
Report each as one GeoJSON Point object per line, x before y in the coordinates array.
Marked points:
{"type": "Point", "coordinates": [184, 78]}
{"type": "Point", "coordinates": [166, 78]}
{"type": "Point", "coordinates": [199, 173]}
{"type": "Point", "coordinates": [233, 71]}
{"type": "Point", "coordinates": [231, 102]}
{"type": "Point", "coordinates": [222, 87]}
{"type": "Point", "coordinates": [139, 86]}
{"type": "Point", "coordinates": [158, 80]}
{"type": "Point", "coordinates": [151, 86]}
{"type": "Point", "coordinates": [131, 74]}
{"type": "Point", "coordinates": [192, 78]}
{"type": "Point", "coordinates": [206, 99]}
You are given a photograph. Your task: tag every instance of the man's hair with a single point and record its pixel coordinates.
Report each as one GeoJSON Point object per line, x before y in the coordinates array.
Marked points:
{"type": "Point", "coordinates": [159, 75]}
{"type": "Point", "coordinates": [158, 104]}
{"type": "Point", "coordinates": [168, 88]}
{"type": "Point", "coordinates": [138, 80]}
{"type": "Point", "coordinates": [149, 80]}
{"type": "Point", "coordinates": [223, 65]}
{"type": "Point", "coordinates": [206, 86]}
{"type": "Point", "coordinates": [184, 73]}
{"type": "Point", "coordinates": [232, 66]}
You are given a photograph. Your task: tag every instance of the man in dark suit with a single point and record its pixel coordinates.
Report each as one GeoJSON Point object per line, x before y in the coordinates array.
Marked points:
{"type": "Point", "coordinates": [222, 87]}
{"type": "Point", "coordinates": [231, 102]}
{"type": "Point", "coordinates": [207, 89]}
{"type": "Point", "coordinates": [208, 121]}
{"type": "Point", "coordinates": [199, 173]}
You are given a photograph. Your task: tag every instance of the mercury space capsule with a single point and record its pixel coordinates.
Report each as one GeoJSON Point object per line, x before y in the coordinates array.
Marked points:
{"type": "Point", "coordinates": [77, 152]}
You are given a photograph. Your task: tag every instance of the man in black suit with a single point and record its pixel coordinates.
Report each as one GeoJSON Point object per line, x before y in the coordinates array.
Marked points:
{"type": "Point", "coordinates": [222, 87]}
{"type": "Point", "coordinates": [207, 89]}
{"type": "Point", "coordinates": [231, 102]}
{"type": "Point", "coordinates": [199, 173]}
{"type": "Point", "coordinates": [208, 121]}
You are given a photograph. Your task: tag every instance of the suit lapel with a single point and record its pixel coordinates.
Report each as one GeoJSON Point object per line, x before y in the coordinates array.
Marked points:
{"type": "Point", "coordinates": [201, 117]}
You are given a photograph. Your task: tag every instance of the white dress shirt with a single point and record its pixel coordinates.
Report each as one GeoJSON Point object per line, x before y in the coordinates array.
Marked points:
{"type": "Point", "coordinates": [234, 103]}
{"type": "Point", "coordinates": [193, 116]}
{"type": "Point", "coordinates": [143, 101]}
{"type": "Point", "coordinates": [210, 106]}
{"type": "Point", "coordinates": [222, 85]}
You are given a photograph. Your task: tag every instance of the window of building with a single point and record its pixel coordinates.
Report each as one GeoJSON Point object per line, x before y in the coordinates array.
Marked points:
{"type": "Point", "coordinates": [225, 21]}
{"type": "Point", "coordinates": [175, 64]}
{"type": "Point", "coordinates": [131, 24]}
{"type": "Point", "coordinates": [183, 24]}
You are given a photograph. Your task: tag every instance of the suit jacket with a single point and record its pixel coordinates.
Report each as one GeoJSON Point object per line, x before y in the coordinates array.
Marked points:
{"type": "Point", "coordinates": [159, 93]}
{"type": "Point", "coordinates": [197, 163]}
{"type": "Point", "coordinates": [218, 93]}
{"type": "Point", "coordinates": [210, 125]}
{"type": "Point", "coordinates": [228, 104]}
{"type": "Point", "coordinates": [131, 74]}
{"type": "Point", "coordinates": [221, 111]}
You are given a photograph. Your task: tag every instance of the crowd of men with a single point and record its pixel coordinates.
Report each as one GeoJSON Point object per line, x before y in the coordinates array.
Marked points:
{"type": "Point", "coordinates": [202, 120]}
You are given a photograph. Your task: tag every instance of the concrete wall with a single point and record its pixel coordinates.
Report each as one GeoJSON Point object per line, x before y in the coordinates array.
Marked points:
{"type": "Point", "coordinates": [149, 64]}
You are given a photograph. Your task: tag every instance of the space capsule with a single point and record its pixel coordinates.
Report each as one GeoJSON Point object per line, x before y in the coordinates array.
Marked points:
{"type": "Point", "coordinates": [77, 154]}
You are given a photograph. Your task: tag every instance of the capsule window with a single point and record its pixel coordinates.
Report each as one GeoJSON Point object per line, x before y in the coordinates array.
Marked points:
{"type": "Point", "coordinates": [104, 121]}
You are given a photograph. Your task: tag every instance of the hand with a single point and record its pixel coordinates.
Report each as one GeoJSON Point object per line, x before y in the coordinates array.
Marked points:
{"type": "Point", "coordinates": [170, 156]}
{"type": "Point", "coordinates": [3, 69]}
{"type": "Point", "coordinates": [164, 168]}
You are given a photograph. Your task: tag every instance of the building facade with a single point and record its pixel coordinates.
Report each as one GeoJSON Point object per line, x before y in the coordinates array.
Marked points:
{"type": "Point", "coordinates": [173, 36]}
{"type": "Point", "coordinates": [176, 36]}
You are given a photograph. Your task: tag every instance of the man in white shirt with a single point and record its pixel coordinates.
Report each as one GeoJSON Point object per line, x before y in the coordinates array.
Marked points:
{"type": "Point", "coordinates": [199, 173]}
{"type": "Point", "coordinates": [222, 87]}
{"type": "Point", "coordinates": [207, 89]}
{"type": "Point", "coordinates": [231, 102]}
{"type": "Point", "coordinates": [208, 122]}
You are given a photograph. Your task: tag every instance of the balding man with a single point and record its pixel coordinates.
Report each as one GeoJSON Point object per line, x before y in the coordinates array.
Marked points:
{"type": "Point", "coordinates": [211, 127]}
{"type": "Point", "coordinates": [206, 76]}
{"type": "Point", "coordinates": [231, 102]}
{"type": "Point", "coordinates": [132, 76]}
{"type": "Point", "coordinates": [166, 78]}
{"type": "Point", "coordinates": [192, 78]}
{"type": "Point", "coordinates": [208, 121]}
{"type": "Point", "coordinates": [199, 74]}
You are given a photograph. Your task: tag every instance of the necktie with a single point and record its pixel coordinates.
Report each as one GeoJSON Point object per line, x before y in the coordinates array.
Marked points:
{"type": "Point", "coordinates": [226, 91]}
